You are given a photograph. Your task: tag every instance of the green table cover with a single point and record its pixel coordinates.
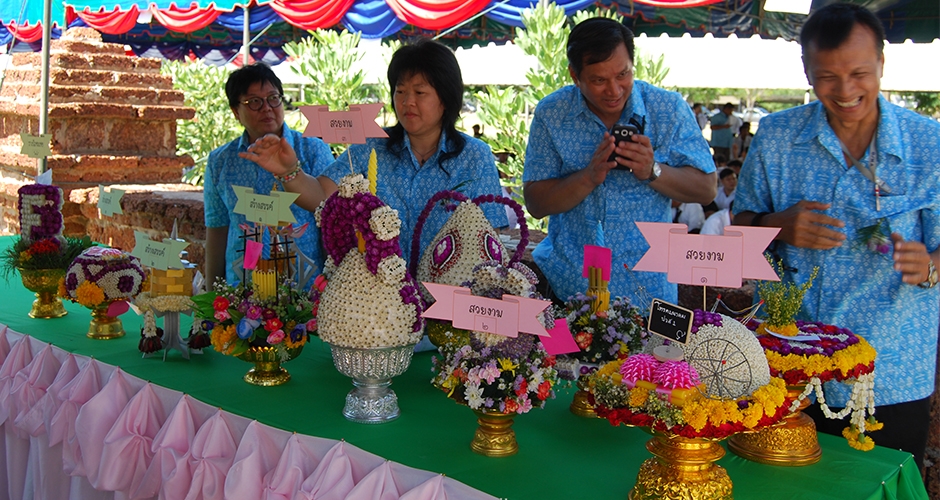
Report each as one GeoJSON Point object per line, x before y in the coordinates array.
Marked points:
{"type": "Point", "coordinates": [560, 455]}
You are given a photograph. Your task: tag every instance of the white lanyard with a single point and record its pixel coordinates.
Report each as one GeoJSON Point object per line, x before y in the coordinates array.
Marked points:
{"type": "Point", "coordinates": [871, 171]}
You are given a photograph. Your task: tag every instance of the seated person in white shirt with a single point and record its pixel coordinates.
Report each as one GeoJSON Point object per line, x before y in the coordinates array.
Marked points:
{"type": "Point", "coordinates": [690, 214]}
{"type": "Point", "coordinates": [728, 181]}
{"type": "Point", "coordinates": [716, 222]}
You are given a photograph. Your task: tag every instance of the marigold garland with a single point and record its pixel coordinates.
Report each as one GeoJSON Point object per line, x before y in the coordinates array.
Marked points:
{"type": "Point", "coordinates": [89, 294]}
{"type": "Point", "coordinates": [698, 417]}
{"type": "Point", "coordinates": [838, 355]}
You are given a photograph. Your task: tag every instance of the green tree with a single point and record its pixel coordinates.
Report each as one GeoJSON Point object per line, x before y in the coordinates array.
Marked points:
{"type": "Point", "coordinates": [214, 124]}
{"type": "Point", "coordinates": [925, 103]}
{"type": "Point", "coordinates": [327, 59]}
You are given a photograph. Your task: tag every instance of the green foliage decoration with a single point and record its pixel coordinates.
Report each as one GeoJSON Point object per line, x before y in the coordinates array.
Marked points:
{"type": "Point", "coordinates": [782, 300]}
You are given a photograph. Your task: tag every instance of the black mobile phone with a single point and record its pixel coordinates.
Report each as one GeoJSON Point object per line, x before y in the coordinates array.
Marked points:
{"type": "Point", "coordinates": [622, 133]}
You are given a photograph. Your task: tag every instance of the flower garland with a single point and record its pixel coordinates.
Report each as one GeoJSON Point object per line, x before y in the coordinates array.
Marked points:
{"type": "Point", "coordinates": [602, 337]}
{"type": "Point", "coordinates": [150, 334]}
{"type": "Point", "coordinates": [102, 274]}
{"type": "Point", "coordinates": [696, 416]}
{"type": "Point", "coordinates": [839, 355]}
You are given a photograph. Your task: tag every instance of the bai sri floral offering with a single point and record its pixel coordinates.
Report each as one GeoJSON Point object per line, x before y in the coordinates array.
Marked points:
{"type": "Point", "coordinates": [101, 275]}
{"type": "Point", "coordinates": [720, 388]}
{"type": "Point", "coordinates": [370, 300]}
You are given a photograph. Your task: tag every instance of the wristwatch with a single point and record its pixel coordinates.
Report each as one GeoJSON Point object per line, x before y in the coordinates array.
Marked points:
{"type": "Point", "coordinates": [655, 172]}
{"type": "Point", "coordinates": [932, 276]}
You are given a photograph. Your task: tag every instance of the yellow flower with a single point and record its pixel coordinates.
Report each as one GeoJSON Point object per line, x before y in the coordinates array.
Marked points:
{"type": "Point", "coordinates": [788, 330]}
{"type": "Point", "coordinates": [63, 293]}
{"type": "Point", "coordinates": [25, 256]}
{"type": "Point", "coordinates": [223, 339]}
{"type": "Point", "coordinates": [844, 360]}
{"type": "Point", "coordinates": [638, 397]}
{"type": "Point", "coordinates": [858, 440]}
{"type": "Point", "coordinates": [506, 364]}
{"type": "Point", "coordinates": [752, 415]}
{"type": "Point", "coordinates": [695, 415]}
{"type": "Point", "coordinates": [89, 294]}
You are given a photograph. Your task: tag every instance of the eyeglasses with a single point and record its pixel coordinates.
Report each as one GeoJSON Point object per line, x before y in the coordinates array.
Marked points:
{"type": "Point", "coordinates": [256, 103]}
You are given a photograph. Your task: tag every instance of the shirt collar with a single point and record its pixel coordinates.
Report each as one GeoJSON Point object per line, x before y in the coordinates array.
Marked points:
{"type": "Point", "coordinates": [634, 106]}
{"type": "Point", "coordinates": [443, 146]}
{"type": "Point", "coordinates": [889, 130]}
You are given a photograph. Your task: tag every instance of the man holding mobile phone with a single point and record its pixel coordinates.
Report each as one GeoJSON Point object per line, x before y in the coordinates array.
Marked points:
{"type": "Point", "coordinates": [572, 156]}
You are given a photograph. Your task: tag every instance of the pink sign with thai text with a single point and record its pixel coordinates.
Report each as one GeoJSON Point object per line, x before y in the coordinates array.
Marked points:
{"type": "Point", "coordinates": [506, 317]}
{"type": "Point", "coordinates": [343, 127]}
{"type": "Point", "coordinates": [707, 260]}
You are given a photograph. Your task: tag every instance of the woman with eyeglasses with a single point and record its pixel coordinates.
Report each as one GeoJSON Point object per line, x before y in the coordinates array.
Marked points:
{"type": "Point", "coordinates": [256, 98]}
{"type": "Point", "coordinates": [423, 154]}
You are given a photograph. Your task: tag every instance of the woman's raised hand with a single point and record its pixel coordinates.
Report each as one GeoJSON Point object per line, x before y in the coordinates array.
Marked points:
{"type": "Point", "coordinates": [273, 154]}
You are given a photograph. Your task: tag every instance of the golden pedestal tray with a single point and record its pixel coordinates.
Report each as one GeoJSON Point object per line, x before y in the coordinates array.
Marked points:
{"type": "Point", "coordinates": [267, 371]}
{"type": "Point", "coordinates": [791, 443]}
{"type": "Point", "coordinates": [682, 469]}
{"type": "Point", "coordinates": [45, 284]}
{"type": "Point", "coordinates": [494, 437]}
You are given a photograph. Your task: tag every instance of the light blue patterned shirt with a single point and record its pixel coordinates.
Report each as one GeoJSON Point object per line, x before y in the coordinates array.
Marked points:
{"type": "Point", "coordinates": [723, 137]}
{"type": "Point", "coordinates": [796, 156]}
{"type": "Point", "coordinates": [406, 186]}
{"type": "Point", "coordinates": [562, 139]}
{"type": "Point", "coordinates": [225, 169]}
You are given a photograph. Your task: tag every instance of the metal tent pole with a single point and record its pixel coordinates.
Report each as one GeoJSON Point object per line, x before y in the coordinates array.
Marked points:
{"type": "Point", "coordinates": [246, 36]}
{"type": "Point", "coordinates": [44, 76]}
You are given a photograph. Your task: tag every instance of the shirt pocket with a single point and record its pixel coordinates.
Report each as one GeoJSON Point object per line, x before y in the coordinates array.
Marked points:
{"type": "Point", "coordinates": [902, 215]}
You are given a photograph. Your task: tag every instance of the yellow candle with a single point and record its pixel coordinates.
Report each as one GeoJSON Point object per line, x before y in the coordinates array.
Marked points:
{"type": "Point", "coordinates": [373, 172]}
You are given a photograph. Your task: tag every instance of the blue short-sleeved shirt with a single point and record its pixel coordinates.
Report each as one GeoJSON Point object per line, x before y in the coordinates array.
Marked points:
{"type": "Point", "coordinates": [796, 156]}
{"type": "Point", "coordinates": [723, 137]}
{"type": "Point", "coordinates": [562, 139]}
{"type": "Point", "coordinates": [225, 169]}
{"type": "Point", "coordinates": [406, 186]}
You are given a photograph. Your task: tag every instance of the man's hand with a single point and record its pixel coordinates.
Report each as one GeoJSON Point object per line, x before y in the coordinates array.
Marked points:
{"type": "Point", "coordinates": [597, 169]}
{"type": "Point", "coordinates": [910, 258]}
{"type": "Point", "coordinates": [637, 155]}
{"type": "Point", "coordinates": [803, 226]}
{"type": "Point", "coordinates": [273, 154]}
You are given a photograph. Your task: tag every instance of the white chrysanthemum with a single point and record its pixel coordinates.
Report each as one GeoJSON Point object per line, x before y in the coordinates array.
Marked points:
{"type": "Point", "coordinates": [358, 309]}
{"type": "Point", "coordinates": [385, 223]}
{"type": "Point", "coordinates": [163, 303]}
{"type": "Point", "coordinates": [352, 184]}
{"type": "Point", "coordinates": [489, 277]}
{"type": "Point", "coordinates": [392, 270]}
{"type": "Point", "coordinates": [109, 283]}
{"type": "Point", "coordinates": [488, 339]}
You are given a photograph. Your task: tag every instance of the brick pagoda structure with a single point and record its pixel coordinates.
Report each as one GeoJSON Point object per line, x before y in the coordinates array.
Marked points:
{"type": "Point", "coordinates": [113, 121]}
